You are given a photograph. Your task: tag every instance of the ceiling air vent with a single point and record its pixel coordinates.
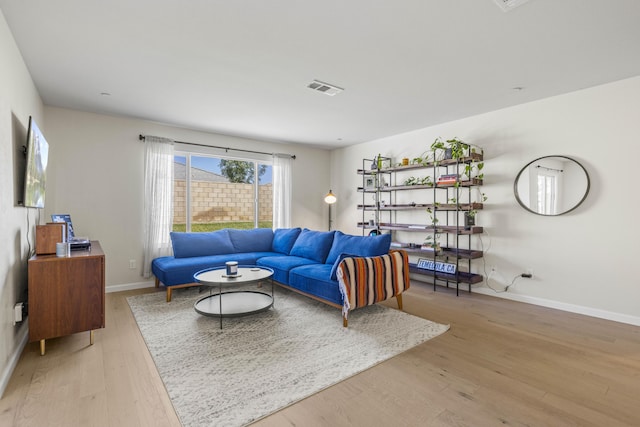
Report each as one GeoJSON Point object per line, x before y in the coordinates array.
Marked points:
{"type": "Point", "coordinates": [325, 88]}
{"type": "Point", "coordinates": [507, 5]}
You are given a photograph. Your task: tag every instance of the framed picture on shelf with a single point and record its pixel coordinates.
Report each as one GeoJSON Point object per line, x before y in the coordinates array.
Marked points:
{"type": "Point", "coordinates": [369, 183]}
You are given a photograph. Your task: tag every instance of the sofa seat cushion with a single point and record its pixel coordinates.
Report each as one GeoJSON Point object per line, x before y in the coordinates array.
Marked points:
{"type": "Point", "coordinates": [314, 279]}
{"type": "Point", "coordinates": [282, 264]}
{"type": "Point", "coordinates": [364, 246]}
{"type": "Point", "coordinates": [176, 271]}
{"type": "Point", "coordinates": [312, 244]}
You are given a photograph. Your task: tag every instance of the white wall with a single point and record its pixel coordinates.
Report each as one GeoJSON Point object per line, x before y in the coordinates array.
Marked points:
{"type": "Point", "coordinates": [18, 100]}
{"type": "Point", "coordinates": [584, 261]}
{"type": "Point", "coordinates": [96, 175]}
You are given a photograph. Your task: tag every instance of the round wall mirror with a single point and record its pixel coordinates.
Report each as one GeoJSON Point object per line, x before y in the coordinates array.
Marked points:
{"type": "Point", "coordinates": [552, 185]}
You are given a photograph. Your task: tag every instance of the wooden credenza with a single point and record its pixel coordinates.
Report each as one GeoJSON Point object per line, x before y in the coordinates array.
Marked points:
{"type": "Point", "coordinates": [66, 294]}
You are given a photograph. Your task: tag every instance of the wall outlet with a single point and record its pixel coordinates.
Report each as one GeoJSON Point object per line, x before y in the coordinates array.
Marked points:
{"type": "Point", "coordinates": [132, 264]}
{"type": "Point", "coordinates": [17, 313]}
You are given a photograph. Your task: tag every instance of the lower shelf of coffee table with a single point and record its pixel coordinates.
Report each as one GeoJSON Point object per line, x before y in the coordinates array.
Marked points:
{"type": "Point", "coordinates": [233, 304]}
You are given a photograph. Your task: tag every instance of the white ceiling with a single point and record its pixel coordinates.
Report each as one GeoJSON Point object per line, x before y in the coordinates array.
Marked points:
{"type": "Point", "coordinates": [241, 67]}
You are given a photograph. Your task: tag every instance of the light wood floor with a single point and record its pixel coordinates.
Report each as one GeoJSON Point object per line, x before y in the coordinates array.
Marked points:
{"type": "Point", "coordinates": [502, 363]}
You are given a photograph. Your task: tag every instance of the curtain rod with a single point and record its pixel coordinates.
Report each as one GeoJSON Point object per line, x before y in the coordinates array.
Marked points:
{"type": "Point", "coordinates": [141, 137]}
{"type": "Point", "coordinates": [549, 169]}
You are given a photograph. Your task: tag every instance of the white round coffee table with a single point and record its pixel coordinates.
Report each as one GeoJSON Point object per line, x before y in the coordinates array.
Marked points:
{"type": "Point", "coordinates": [233, 303]}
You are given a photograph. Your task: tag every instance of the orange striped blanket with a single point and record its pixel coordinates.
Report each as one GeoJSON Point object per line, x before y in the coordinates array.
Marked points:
{"type": "Point", "coordinates": [368, 280]}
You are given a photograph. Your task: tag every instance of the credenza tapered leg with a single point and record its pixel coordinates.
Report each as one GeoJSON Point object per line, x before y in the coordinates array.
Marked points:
{"type": "Point", "coordinates": [91, 337]}
{"type": "Point", "coordinates": [41, 347]}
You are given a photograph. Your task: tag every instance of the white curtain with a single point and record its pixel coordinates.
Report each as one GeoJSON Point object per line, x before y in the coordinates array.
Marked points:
{"type": "Point", "coordinates": [282, 166]}
{"type": "Point", "coordinates": [158, 199]}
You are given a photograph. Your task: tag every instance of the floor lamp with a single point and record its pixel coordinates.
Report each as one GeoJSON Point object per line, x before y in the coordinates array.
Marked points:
{"type": "Point", "coordinates": [330, 199]}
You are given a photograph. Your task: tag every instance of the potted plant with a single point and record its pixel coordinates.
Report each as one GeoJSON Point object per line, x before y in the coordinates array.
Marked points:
{"type": "Point", "coordinates": [433, 240]}
{"type": "Point", "coordinates": [473, 170]}
{"type": "Point", "coordinates": [470, 215]}
{"type": "Point", "coordinates": [453, 148]}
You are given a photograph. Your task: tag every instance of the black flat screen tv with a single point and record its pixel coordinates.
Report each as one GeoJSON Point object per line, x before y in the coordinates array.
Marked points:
{"type": "Point", "coordinates": [37, 152]}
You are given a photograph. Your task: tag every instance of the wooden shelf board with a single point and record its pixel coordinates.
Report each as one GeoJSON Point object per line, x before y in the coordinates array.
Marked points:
{"type": "Point", "coordinates": [450, 252]}
{"type": "Point", "coordinates": [474, 157]}
{"type": "Point", "coordinates": [441, 207]}
{"type": "Point", "coordinates": [451, 229]}
{"type": "Point", "coordinates": [460, 277]}
{"type": "Point", "coordinates": [463, 184]}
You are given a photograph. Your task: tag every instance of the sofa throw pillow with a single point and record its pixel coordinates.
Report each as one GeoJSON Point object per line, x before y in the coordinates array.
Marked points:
{"type": "Point", "coordinates": [313, 245]}
{"type": "Point", "coordinates": [358, 245]}
{"type": "Point", "coordinates": [187, 245]}
{"type": "Point", "coordinates": [284, 238]}
{"type": "Point", "coordinates": [334, 269]}
{"type": "Point", "coordinates": [252, 240]}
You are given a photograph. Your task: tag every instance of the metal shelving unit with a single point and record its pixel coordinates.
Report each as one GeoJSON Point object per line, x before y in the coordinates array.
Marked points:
{"type": "Point", "coordinates": [444, 203]}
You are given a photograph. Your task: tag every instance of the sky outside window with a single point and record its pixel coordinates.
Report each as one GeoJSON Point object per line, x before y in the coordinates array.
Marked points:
{"type": "Point", "coordinates": [212, 164]}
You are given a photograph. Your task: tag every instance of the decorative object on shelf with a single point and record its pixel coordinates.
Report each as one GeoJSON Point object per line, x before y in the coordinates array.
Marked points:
{"type": "Point", "coordinates": [449, 178]}
{"type": "Point", "coordinates": [399, 245]}
{"type": "Point", "coordinates": [473, 170]}
{"type": "Point", "coordinates": [405, 161]}
{"type": "Point", "coordinates": [432, 244]}
{"type": "Point", "coordinates": [469, 220]}
{"type": "Point", "coordinates": [470, 215]}
{"type": "Point", "coordinates": [442, 267]}
{"type": "Point", "coordinates": [552, 185]}
{"type": "Point", "coordinates": [369, 183]}
{"type": "Point", "coordinates": [448, 153]}
{"type": "Point", "coordinates": [330, 199]}
{"type": "Point", "coordinates": [425, 180]}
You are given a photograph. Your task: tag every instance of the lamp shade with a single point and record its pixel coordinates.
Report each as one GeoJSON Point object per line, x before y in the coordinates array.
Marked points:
{"type": "Point", "coordinates": [330, 198]}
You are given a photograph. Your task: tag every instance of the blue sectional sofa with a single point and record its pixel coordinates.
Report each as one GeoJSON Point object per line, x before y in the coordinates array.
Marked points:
{"type": "Point", "coordinates": [303, 260]}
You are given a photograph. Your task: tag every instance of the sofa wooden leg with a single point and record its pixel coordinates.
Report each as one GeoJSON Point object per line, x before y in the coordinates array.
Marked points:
{"type": "Point", "coordinates": [345, 322]}
{"type": "Point", "coordinates": [157, 282]}
{"type": "Point", "coordinates": [399, 299]}
{"type": "Point", "coordinates": [168, 294]}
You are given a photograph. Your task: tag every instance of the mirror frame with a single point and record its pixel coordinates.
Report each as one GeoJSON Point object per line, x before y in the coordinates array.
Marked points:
{"type": "Point", "coordinates": [521, 203]}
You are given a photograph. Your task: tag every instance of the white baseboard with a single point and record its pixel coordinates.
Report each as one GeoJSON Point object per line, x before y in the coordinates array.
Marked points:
{"type": "Point", "coordinates": [23, 333]}
{"type": "Point", "coordinates": [129, 286]}
{"type": "Point", "coordinates": [23, 338]}
{"type": "Point", "coordinates": [572, 308]}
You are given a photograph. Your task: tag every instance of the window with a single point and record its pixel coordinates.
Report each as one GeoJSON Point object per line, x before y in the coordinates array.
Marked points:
{"type": "Point", "coordinates": [547, 193]}
{"type": "Point", "coordinates": [219, 192]}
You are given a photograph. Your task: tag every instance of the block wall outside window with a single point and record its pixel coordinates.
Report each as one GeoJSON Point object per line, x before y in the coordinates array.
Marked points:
{"type": "Point", "coordinates": [221, 202]}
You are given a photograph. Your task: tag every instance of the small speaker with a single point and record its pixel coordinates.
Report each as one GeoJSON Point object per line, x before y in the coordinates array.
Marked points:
{"type": "Point", "coordinates": [47, 236]}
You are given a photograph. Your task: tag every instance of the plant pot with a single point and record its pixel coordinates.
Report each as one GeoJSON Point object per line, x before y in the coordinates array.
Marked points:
{"type": "Point", "coordinates": [448, 153]}
{"type": "Point", "coordinates": [469, 220]}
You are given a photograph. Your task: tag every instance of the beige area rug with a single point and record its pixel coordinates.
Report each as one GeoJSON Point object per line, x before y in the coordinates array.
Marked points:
{"type": "Point", "coordinates": [261, 363]}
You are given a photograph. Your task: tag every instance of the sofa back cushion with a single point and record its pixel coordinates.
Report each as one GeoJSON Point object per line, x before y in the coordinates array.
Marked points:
{"type": "Point", "coordinates": [253, 240]}
{"type": "Point", "coordinates": [284, 238]}
{"type": "Point", "coordinates": [313, 245]}
{"type": "Point", "coordinates": [187, 245]}
{"type": "Point", "coordinates": [363, 246]}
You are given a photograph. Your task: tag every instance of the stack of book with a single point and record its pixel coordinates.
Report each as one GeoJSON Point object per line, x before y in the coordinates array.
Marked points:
{"type": "Point", "coordinates": [399, 245]}
{"type": "Point", "coordinates": [451, 178]}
